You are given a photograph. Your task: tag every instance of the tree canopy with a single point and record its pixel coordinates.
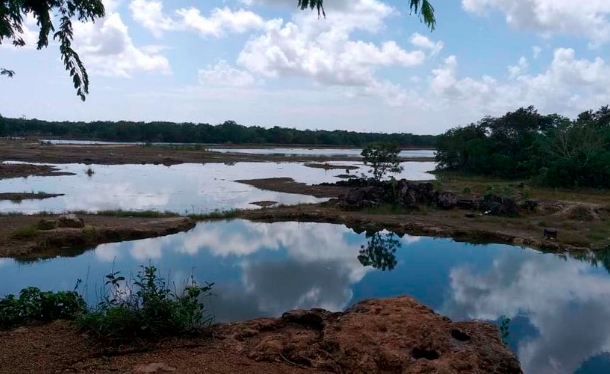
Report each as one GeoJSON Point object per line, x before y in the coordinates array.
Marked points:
{"type": "Point", "coordinates": [550, 149]}
{"type": "Point", "coordinates": [227, 132]}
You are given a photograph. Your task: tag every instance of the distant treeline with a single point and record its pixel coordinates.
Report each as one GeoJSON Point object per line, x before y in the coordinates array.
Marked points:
{"type": "Point", "coordinates": [550, 149]}
{"type": "Point", "coordinates": [227, 132]}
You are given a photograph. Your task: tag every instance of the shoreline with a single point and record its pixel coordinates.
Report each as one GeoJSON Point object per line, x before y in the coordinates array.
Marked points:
{"type": "Point", "coordinates": [396, 334]}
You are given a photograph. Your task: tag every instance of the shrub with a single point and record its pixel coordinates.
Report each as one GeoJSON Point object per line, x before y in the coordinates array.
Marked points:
{"type": "Point", "coordinates": [34, 305]}
{"type": "Point", "coordinates": [146, 308]}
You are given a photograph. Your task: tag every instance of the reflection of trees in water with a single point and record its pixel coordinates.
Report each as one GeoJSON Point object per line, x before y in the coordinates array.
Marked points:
{"type": "Point", "coordinates": [380, 250]}
{"type": "Point", "coordinates": [596, 258]}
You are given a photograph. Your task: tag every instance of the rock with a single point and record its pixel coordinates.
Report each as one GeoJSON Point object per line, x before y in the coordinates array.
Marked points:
{"type": "Point", "coordinates": [466, 204]}
{"type": "Point", "coordinates": [395, 335]}
{"type": "Point", "coordinates": [447, 200]}
{"type": "Point", "coordinates": [363, 197]}
{"type": "Point", "coordinates": [47, 224]}
{"type": "Point", "coordinates": [156, 367]}
{"type": "Point", "coordinates": [495, 205]}
{"type": "Point", "coordinates": [71, 221]}
{"type": "Point", "coordinates": [550, 234]}
{"type": "Point", "coordinates": [469, 215]}
{"type": "Point", "coordinates": [313, 317]}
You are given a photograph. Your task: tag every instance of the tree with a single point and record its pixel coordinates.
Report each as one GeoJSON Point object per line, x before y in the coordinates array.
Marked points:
{"type": "Point", "coordinates": [380, 250]}
{"type": "Point", "coordinates": [12, 13]}
{"type": "Point", "coordinates": [423, 8]}
{"type": "Point", "coordinates": [382, 158]}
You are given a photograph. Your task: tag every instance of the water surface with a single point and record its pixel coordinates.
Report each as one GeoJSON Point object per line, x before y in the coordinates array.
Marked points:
{"type": "Point", "coordinates": [559, 307]}
{"type": "Point", "coordinates": [184, 188]}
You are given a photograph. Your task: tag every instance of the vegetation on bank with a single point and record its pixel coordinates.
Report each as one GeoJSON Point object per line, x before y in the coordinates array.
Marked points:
{"type": "Point", "coordinates": [131, 310]}
{"type": "Point", "coordinates": [550, 150]}
{"type": "Point", "coordinates": [227, 132]}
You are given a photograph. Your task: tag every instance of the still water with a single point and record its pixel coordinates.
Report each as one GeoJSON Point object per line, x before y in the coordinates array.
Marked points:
{"type": "Point", "coordinates": [185, 188]}
{"type": "Point", "coordinates": [288, 151]}
{"type": "Point", "coordinates": [560, 307]}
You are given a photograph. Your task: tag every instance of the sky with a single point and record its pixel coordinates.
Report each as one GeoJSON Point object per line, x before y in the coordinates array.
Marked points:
{"type": "Point", "coordinates": [369, 66]}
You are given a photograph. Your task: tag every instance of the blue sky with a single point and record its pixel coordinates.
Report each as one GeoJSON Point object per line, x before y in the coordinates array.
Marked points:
{"type": "Point", "coordinates": [369, 66]}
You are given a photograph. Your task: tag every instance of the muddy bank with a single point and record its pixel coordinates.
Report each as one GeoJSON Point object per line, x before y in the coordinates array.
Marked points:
{"type": "Point", "coordinates": [288, 185]}
{"type": "Point", "coordinates": [327, 166]}
{"type": "Point", "coordinates": [29, 151]}
{"type": "Point", "coordinates": [18, 196]}
{"type": "Point", "coordinates": [26, 237]}
{"type": "Point", "coordinates": [435, 223]}
{"type": "Point", "coordinates": [396, 335]}
{"type": "Point", "coordinates": [8, 171]}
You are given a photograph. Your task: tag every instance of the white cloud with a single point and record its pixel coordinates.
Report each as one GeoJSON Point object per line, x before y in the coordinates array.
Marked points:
{"type": "Point", "coordinates": [550, 17]}
{"type": "Point", "coordinates": [559, 88]}
{"type": "Point", "coordinates": [536, 50]}
{"type": "Point", "coordinates": [107, 48]}
{"type": "Point", "coordinates": [222, 74]}
{"type": "Point", "coordinates": [424, 42]}
{"type": "Point", "coordinates": [149, 14]}
{"type": "Point", "coordinates": [325, 52]}
{"type": "Point", "coordinates": [516, 70]}
{"type": "Point", "coordinates": [220, 21]}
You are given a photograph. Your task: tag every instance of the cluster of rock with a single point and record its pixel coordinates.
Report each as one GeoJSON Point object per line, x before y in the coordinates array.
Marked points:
{"type": "Point", "coordinates": [370, 193]}
{"type": "Point", "coordinates": [64, 221]}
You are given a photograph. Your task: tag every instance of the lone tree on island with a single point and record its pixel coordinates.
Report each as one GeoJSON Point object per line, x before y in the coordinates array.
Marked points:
{"type": "Point", "coordinates": [382, 158]}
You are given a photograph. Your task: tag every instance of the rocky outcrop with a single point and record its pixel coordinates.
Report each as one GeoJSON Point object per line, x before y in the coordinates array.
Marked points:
{"type": "Point", "coordinates": [396, 335]}
{"type": "Point", "coordinates": [366, 193]}
{"type": "Point", "coordinates": [71, 221]}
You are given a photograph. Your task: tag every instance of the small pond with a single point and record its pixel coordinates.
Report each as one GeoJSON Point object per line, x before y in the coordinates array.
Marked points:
{"type": "Point", "coordinates": [185, 188]}
{"type": "Point", "coordinates": [560, 307]}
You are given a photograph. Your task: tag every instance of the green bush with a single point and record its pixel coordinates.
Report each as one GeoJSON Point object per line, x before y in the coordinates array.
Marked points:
{"type": "Point", "coordinates": [146, 308]}
{"type": "Point", "coordinates": [33, 305]}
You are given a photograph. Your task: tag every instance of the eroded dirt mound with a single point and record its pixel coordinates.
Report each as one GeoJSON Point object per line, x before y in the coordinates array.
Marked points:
{"type": "Point", "coordinates": [396, 335]}
{"type": "Point", "coordinates": [581, 212]}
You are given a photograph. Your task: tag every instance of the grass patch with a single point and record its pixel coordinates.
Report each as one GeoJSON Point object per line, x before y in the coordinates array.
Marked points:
{"type": "Point", "coordinates": [390, 209]}
{"type": "Point", "coordinates": [216, 215]}
{"type": "Point", "coordinates": [145, 308]}
{"type": "Point", "coordinates": [130, 213]}
{"type": "Point", "coordinates": [25, 233]}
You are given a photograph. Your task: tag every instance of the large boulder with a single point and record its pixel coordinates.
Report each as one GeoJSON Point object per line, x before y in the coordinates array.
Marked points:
{"type": "Point", "coordinates": [395, 335]}
{"type": "Point", "coordinates": [71, 221]}
{"type": "Point", "coordinates": [495, 205]}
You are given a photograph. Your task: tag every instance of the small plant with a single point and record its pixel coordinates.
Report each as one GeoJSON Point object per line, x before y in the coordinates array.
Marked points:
{"type": "Point", "coordinates": [89, 172]}
{"type": "Point", "coordinates": [33, 305]}
{"type": "Point", "coordinates": [504, 328]}
{"type": "Point", "coordinates": [146, 308]}
{"type": "Point", "coordinates": [466, 190]}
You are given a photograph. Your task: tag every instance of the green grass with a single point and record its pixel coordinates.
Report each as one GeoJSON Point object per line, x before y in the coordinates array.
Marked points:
{"type": "Point", "coordinates": [389, 209]}
{"type": "Point", "coordinates": [216, 215]}
{"type": "Point", "coordinates": [129, 213]}
{"type": "Point", "coordinates": [25, 233]}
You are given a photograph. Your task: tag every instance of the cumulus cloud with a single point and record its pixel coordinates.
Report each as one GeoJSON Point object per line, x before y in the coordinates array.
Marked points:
{"type": "Point", "coordinates": [326, 52]}
{"type": "Point", "coordinates": [424, 42]}
{"type": "Point", "coordinates": [150, 15]}
{"type": "Point", "coordinates": [222, 74]}
{"type": "Point", "coordinates": [561, 87]}
{"type": "Point", "coordinates": [549, 17]}
{"type": "Point", "coordinates": [107, 48]}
